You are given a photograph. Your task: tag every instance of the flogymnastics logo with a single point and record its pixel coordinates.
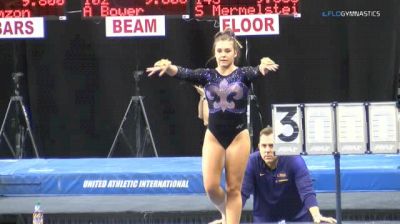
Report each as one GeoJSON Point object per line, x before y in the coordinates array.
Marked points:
{"type": "Point", "coordinates": [352, 13]}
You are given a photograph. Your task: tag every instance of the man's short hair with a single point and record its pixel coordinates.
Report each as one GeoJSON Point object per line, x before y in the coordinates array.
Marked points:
{"type": "Point", "coordinates": [266, 131]}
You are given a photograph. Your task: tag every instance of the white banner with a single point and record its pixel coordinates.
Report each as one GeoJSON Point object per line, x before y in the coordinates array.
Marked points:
{"type": "Point", "coordinates": [242, 25]}
{"type": "Point", "coordinates": [383, 130]}
{"type": "Point", "coordinates": [32, 27]}
{"type": "Point", "coordinates": [351, 128]}
{"type": "Point", "coordinates": [319, 129]}
{"type": "Point", "coordinates": [135, 26]}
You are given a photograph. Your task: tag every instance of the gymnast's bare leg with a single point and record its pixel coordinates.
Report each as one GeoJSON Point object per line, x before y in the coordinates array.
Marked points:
{"type": "Point", "coordinates": [213, 162]}
{"type": "Point", "coordinates": [237, 155]}
{"type": "Point", "coordinates": [234, 160]}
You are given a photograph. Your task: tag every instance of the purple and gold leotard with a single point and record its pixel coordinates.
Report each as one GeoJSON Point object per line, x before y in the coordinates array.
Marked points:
{"type": "Point", "coordinates": [227, 98]}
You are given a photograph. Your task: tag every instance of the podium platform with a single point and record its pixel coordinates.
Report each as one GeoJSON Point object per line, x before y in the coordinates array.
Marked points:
{"type": "Point", "coordinates": [136, 188]}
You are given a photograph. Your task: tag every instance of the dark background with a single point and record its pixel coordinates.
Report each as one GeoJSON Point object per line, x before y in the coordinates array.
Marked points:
{"type": "Point", "coordinates": [78, 83]}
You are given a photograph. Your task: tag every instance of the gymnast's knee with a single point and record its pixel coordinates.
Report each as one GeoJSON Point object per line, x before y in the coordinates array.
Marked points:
{"type": "Point", "coordinates": [233, 191]}
{"type": "Point", "coordinates": [212, 189]}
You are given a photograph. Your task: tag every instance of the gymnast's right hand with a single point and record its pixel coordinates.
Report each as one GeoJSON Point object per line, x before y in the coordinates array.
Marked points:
{"type": "Point", "coordinates": [160, 66]}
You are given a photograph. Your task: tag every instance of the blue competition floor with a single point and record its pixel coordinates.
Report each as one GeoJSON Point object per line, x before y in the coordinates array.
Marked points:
{"type": "Point", "coordinates": [175, 175]}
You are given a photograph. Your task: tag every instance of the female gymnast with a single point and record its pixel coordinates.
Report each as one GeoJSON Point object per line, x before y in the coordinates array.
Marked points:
{"type": "Point", "coordinates": [227, 140]}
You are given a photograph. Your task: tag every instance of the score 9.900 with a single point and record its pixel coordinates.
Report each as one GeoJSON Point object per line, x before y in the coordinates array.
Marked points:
{"type": "Point", "coordinates": [42, 3]}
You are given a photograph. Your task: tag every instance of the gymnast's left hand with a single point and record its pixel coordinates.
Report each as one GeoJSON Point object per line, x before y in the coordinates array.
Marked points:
{"type": "Point", "coordinates": [266, 65]}
{"type": "Point", "coordinates": [161, 66]}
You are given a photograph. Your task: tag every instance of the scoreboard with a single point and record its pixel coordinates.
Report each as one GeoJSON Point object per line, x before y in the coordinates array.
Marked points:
{"type": "Point", "coordinates": [25, 18]}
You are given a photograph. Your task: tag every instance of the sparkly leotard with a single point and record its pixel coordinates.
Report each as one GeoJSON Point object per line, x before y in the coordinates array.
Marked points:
{"type": "Point", "coordinates": [227, 98]}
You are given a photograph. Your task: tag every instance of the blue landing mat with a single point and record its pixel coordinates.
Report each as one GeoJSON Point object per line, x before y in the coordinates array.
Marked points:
{"type": "Point", "coordinates": [175, 175]}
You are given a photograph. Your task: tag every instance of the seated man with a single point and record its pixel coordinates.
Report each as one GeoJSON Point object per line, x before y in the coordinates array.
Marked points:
{"type": "Point", "coordinates": [281, 186]}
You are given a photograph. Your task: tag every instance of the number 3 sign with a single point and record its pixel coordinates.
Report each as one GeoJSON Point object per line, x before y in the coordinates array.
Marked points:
{"type": "Point", "coordinates": [287, 125]}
